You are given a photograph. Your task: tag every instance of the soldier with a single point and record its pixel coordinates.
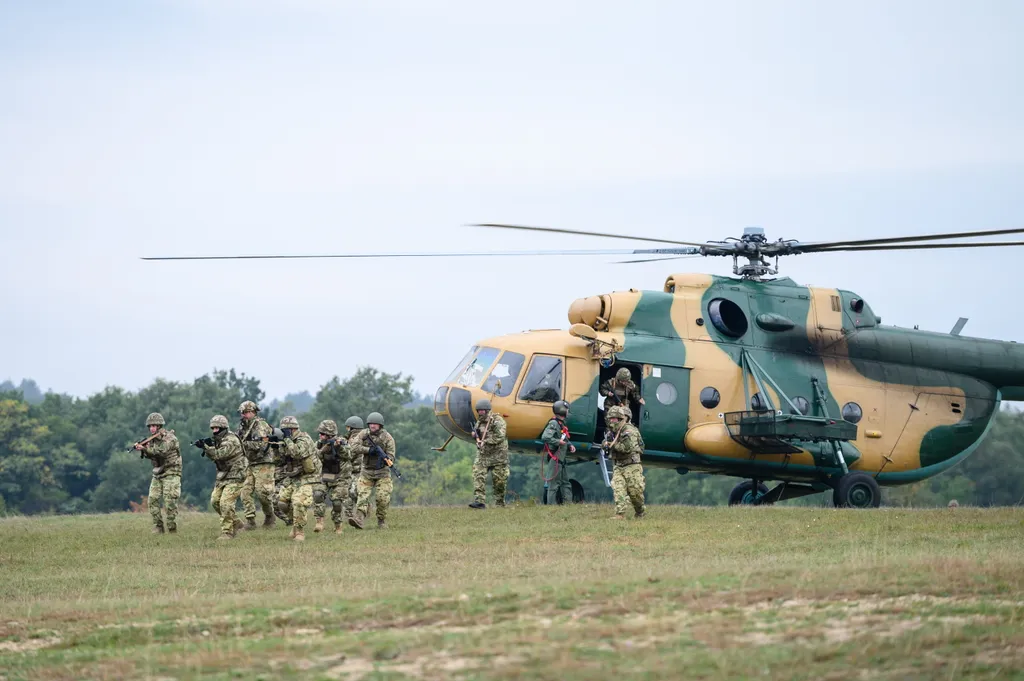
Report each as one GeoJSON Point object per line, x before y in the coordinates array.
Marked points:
{"type": "Point", "coordinates": [254, 433]}
{"type": "Point", "coordinates": [299, 454]}
{"type": "Point", "coordinates": [224, 449]}
{"type": "Point", "coordinates": [337, 469]}
{"type": "Point", "coordinates": [626, 446]}
{"type": "Point", "coordinates": [282, 478]}
{"type": "Point", "coordinates": [621, 391]}
{"type": "Point", "coordinates": [491, 455]}
{"type": "Point", "coordinates": [556, 441]}
{"type": "Point", "coordinates": [163, 449]}
{"type": "Point", "coordinates": [353, 426]}
{"type": "Point", "coordinates": [377, 449]}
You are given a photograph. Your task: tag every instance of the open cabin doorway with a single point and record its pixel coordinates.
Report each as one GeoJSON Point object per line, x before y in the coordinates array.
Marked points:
{"type": "Point", "coordinates": [636, 374]}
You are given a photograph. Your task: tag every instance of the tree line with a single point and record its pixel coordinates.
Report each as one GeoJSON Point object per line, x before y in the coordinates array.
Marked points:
{"type": "Point", "coordinates": [63, 454]}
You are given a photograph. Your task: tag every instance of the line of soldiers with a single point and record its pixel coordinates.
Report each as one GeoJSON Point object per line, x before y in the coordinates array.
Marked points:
{"type": "Point", "coordinates": [282, 469]}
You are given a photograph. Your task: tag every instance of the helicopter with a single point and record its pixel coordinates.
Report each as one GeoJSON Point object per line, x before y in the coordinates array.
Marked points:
{"type": "Point", "coordinates": [752, 376]}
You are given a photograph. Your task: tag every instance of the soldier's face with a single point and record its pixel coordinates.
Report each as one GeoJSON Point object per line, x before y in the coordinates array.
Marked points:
{"type": "Point", "coordinates": [247, 415]}
{"type": "Point", "coordinates": [613, 422]}
{"type": "Point", "coordinates": [153, 428]}
{"type": "Point", "coordinates": [323, 436]}
{"type": "Point", "coordinates": [374, 427]}
{"type": "Point", "coordinates": [481, 413]}
{"type": "Point", "coordinates": [216, 430]}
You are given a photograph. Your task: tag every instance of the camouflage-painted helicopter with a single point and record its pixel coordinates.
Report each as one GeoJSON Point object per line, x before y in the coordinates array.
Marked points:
{"type": "Point", "coordinates": [749, 376]}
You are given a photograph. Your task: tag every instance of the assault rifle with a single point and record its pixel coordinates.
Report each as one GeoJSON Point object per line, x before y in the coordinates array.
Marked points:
{"type": "Point", "coordinates": [382, 457]}
{"type": "Point", "coordinates": [143, 443]}
{"type": "Point", "coordinates": [203, 444]}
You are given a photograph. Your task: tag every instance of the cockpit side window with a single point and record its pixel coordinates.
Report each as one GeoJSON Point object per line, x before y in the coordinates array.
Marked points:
{"type": "Point", "coordinates": [474, 374]}
{"type": "Point", "coordinates": [543, 382]}
{"type": "Point", "coordinates": [507, 371]}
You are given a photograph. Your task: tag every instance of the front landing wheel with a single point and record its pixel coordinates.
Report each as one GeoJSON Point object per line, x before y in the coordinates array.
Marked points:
{"type": "Point", "coordinates": [745, 494]}
{"type": "Point", "coordinates": [857, 490]}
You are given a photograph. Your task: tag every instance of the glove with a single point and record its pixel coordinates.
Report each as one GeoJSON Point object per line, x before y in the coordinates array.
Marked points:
{"type": "Point", "coordinates": [199, 444]}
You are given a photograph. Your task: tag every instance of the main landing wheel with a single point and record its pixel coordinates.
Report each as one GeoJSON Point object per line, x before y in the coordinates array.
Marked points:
{"type": "Point", "coordinates": [745, 493]}
{"type": "Point", "coordinates": [857, 490]}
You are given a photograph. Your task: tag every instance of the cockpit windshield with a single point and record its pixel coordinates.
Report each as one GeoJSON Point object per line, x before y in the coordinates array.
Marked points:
{"type": "Point", "coordinates": [474, 371]}
{"type": "Point", "coordinates": [461, 366]}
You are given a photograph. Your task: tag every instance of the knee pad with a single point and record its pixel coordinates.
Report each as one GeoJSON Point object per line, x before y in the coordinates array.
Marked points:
{"type": "Point", "coordinates": [319, 496]}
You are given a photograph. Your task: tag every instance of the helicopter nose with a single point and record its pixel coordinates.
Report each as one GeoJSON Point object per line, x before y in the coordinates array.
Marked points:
{"type": "Point", "coordinates": [453, 408]}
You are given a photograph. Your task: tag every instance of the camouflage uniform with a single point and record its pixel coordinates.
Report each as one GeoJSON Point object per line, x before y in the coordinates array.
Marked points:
{"type": "Point", "coordinates": [259, 481]}
{"type": "Point", "coordinates": [620, 391]}
{"type": "Point", "coordinates": [164, 451]}
{"type": "Point", "coordinates": [353, 429]}
{"type": "Point", "coordinates": [282, 478]}
{"type": "Point", "coordinates": [625, 448]}
{"type": "Point", "coordinates": [491, 455]}
{"type": "Point", "coordinates": [375, 474]}
{"type": "Point", "coordinates": [336, 474]}
{"type": "Point", "coordinates": [226, 453]}
{"type": "Point", "coordinates": [299, 453]}
{"type": "Point", "coordinates": [556, 438]}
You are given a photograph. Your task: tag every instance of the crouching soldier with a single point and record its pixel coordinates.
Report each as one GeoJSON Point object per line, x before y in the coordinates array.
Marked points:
{"type": "Point", "coordinates": [377, 449]}
{"type": "Point", "coordinates": [625, 445]}
{"type": "Point", "coordinates": [491, 455]}
{"type": "Point", "coordinates": [224, 449]}
{"type": "Point", "coordinates": [298, 452]}
{"type": "Point", "coordinates": [163, 449]}
{"type": "Point", "coordinates": [334, 457]}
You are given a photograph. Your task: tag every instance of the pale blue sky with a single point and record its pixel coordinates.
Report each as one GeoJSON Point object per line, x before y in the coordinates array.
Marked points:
{"type": "Point", "coordinates": [261, 126]}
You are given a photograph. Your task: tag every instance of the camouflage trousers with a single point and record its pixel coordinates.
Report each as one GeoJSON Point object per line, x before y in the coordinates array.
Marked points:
{"type": "Point", "coordinates": [337, 491]}
{"type": "Point", "coordinates": [365, 487]}
{"type": "Point", "coordinates": [628, 485]}
{"type": "Point", "coordinates": [499, 479]}
{"type": "Point", "coordinates": [166, 490]}
{"type": "Point", "coordinates": [278, 489]}
{"type": "Point", "coordinates": [259, 484]}
{"type": "Point", "coordinates": [295, 500]}
{"type": "Point", "coordinates": [223, 499]}
{"type": "Point", "coordinates": [349, 502]}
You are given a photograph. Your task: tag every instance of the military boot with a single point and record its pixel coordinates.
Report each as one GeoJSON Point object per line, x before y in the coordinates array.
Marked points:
{"type": "Point", "coordinates": [618, 516]}
{"type": "Point", "coordinates": [337, 528]}
{"type": "Point", "coordinates": [478, 504]}
{"type": "Point", "coordinates": [382, 525]}
{"type": "Point", "coordinates": [299, 535]}
{"type": "Point", "coordinates": [172, 529]}
{"type": "Point", "coordinates": [319, 527]}
{"type": "Point", "coordinates": [356, 520]}
{"type": "Point", "coordinates": [292, 535]}
{"type": "Point", "coordinates": [250, 523]}
{"type": "Point", "coordinates": [268, 521]}
{"type": "Point", "coordinates": [239, 525]}
{"type": "Point", "coordinates": [225, 535]}
{"type": "Point", "coordinates": [157, 529]}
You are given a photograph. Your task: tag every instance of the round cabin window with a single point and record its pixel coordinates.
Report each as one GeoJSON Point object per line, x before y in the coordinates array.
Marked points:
{"type": "Point", "coordinates": [802, 405]}
{"type": "Point", "coordinates": [666, 393]}
{"type": "Point", "coordinates": [709, 398]}
{"type": "Point", "coordinates": [852, 412]}
{"type": "Point", "coordinates": [727, 317]}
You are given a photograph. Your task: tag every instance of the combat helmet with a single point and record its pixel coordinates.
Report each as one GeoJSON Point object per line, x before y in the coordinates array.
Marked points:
{"type": "Point", "coordinates": [561, 408]}
{"type": "Point", "coordinates": [622, 374]}
{"type": "Point", "coordinates": [375, 417]}
{"type": "Point", "coordinates": [249, 405]}
{"type": "Point", "coordinates": [617, 412]}
{"type": "Point", "coordinates": [327, 427]}
{"type": "Point", "coordinates": [484, 404]}
{"type": "Point", "coordinates": [155, 419]}
{"type": "Point", "coordinates": [219, 421]}
{"type": "Point", "coordinates": [289, 422]}
{"type": "Point", "coordinates": [354, 422]}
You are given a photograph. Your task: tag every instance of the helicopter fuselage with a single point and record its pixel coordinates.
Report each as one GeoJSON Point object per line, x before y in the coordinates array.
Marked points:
{"type": "Point", "coordinates": [758, 379]}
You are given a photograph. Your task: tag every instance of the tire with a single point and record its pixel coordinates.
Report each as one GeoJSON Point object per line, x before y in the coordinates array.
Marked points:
{"type": "Point", "coordinates": [857, 490]}
{"type": "Point", "coordinates": [742, 494]}
{"type": "Point", "coordinates": [578, 494]}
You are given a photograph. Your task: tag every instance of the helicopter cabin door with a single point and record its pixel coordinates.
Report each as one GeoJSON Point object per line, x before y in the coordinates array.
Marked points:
{"type": "Point", "coordinates": [666, 409]}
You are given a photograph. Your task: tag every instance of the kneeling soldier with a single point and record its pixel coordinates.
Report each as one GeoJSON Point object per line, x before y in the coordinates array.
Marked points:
{"type": "Point", "coordinates": [333, 452]}
{"type": "Point", "coordinates": [491, 455]}
{"type": "Point", "coordinates": [299, 454]}
{"type": "Point", "coordinates": [377, 449]}
{"type": "Point", "coordinates": [224, 449]}
{"type": "Point", "coordinates": [625, 446]}
{"type": "Point", "coordinates": [163, 449]}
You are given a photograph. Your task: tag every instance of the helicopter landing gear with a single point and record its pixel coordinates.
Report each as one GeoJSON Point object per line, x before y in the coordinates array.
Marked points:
{"type": "Point", "coordinates": [748, 493]}
{"type": "Point", "coordinates": [857, 490]}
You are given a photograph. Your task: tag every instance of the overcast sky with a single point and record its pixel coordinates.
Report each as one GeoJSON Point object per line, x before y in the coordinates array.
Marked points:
{"type": "Point", "coordinates": [139, 128]}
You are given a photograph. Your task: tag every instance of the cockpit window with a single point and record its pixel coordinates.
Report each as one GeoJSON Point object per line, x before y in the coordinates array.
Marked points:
{"type": "Point", "coordinates": [507, 371]}
{"type": "Point", "coordinates": [461, 366]}
{"type": "Point", "coordinates": [544, 381]}
{"type": "Point", "coordinates": [474, 374]}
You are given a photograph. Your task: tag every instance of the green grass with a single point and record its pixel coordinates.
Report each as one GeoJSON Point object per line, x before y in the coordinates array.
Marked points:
{"type": "Point", "coordinates": [526, 592]}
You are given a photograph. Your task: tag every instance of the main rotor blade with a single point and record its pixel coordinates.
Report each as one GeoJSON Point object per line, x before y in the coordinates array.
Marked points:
{"type": "Point", "coordinates": [633, 262]}
{"type": "Point", "coordinates": [615, 251]}
{"type": "Point", "coordinates": [915, 247]}
{"type": "Point", "coordinates": [556, 230]}
{"type": "Point", "coordinates": [810, 247]}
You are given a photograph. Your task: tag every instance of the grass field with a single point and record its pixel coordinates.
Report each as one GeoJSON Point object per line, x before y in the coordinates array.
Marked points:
{"type": "Point", "coordinates": [530, 591]}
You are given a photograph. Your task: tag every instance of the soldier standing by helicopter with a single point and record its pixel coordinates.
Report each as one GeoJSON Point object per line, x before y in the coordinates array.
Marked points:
{"type": "Point", "coordinates": [333, 453]}
{"type": "Point", "coordinates": [377, 449]}
{"type": "Point", "coordinates": [254, 434]}
{"type": "Point", "coordinates": [224, 449]}
{"type": "Point", "coordinates": [163, 449]}
{"type": "Point", "coordinates": [625, 445]}
{"type": "Point", "coordinates": [621, 391]}
{"type": "Point", "coordinates": [491, 455]}
{"type": "Point", "coordinates": [556, 443]}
